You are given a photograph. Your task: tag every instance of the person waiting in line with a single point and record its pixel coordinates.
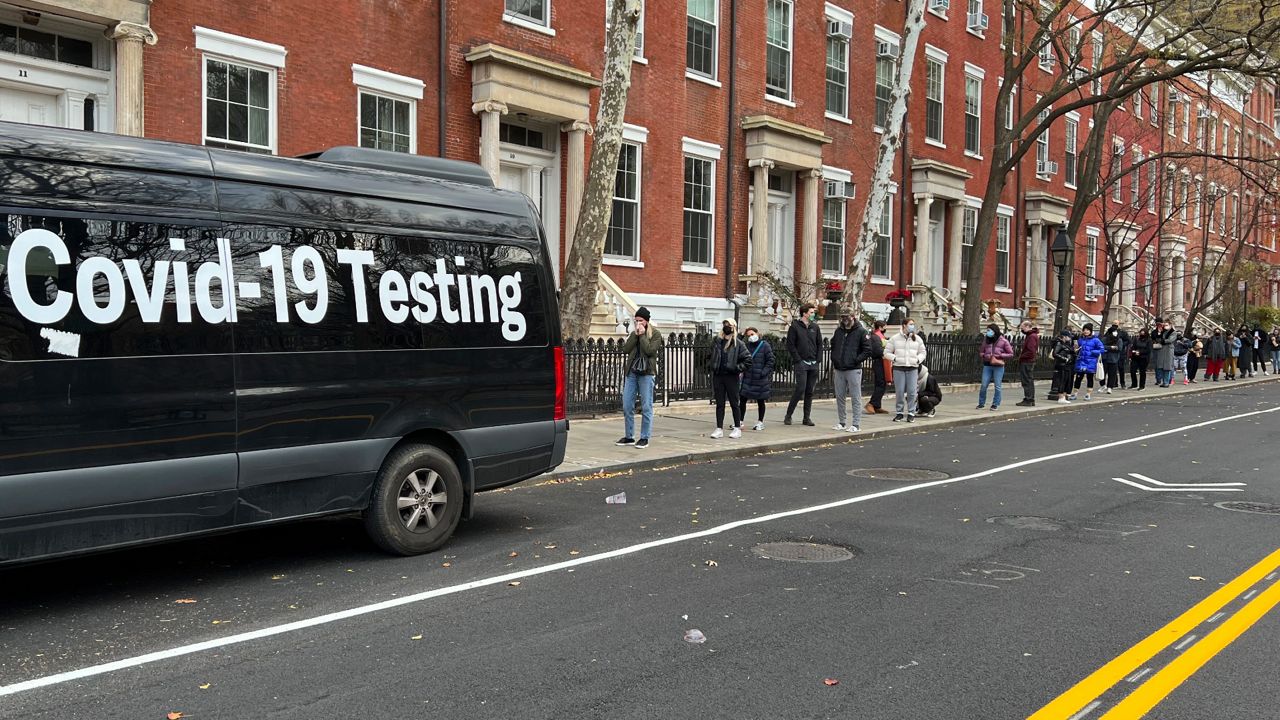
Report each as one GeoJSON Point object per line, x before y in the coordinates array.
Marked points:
{"type": "Point", "coordinates": [994, 350]}
{"type": "Point", "coordinates": [642, 350]}
{"type": "Point", "coordinates": [1260, 349]}
{"type": "Point", "coordinates": [757, 381]}
{"type": "Point", "coordinates": [1194, 354]}
{"type": "Point", "coordinates": [906, 353]}
{"type": "Point", "coordinates": [1113, 349]}
{"type": "Point", "coordinates": [1162, 352]}
{"type": "Point", "coordinates": [1088, 352]}
{"type": "Point", "coordinates": [1215, 356]}
{"type": "Point", "coordinates": [804, 342]}
{"type": "Point", "coordinates": [729, 360]}
{"type": "Point", "coordinates": [1233, 355]}
{"type": "Point", "coordinates": [928, 395]}
{"type": "Point", "coordinates": [1245, 362]}
{"type": "Point", "coordinates": [1027, 362]}
{"type": "Point", "coordinates": [1139, 359]}
{"type": "Point", "coordinates": [878, 375]}
{"type": "Point", "coordinates": [1126, 342]}
{"type": "Point", "coordinates": [1273, 341]}
{"type": "Point", "coordinates": [850, 348]}
{"type": "Point", "coordinates": [1181, 348]}
{"type": "Point", "coordinates": [1064, 359]}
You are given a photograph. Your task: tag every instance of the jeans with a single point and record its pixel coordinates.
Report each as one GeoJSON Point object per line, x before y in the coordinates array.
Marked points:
{"type": "Point", "coordinates": [1138, 373]}
{"type": "Point", "coordinates": [1163, 377]}
{"type": "Point", "coordinates": [642, 384]}
{"type": "Point", "coordinates": [1275, 361]}
{"type": "Point", "coordinates": [806, 379]}
{"type": "Point", "coordinates": [991, 374]}
{"type": "Point", "coordinates": [726, 390]}
{"type": "Point", "coordinates": [904, 387]}
{"type": "Point", "coordinates": [849, 384]}
{"type": "Point", "coordinates": [1028, 381]}
{"type": "Point", "coordinates": [878, 382]}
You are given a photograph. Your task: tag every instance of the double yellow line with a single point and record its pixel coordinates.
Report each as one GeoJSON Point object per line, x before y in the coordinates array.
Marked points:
{"type": "Point", "coordinates": [1158, 687]}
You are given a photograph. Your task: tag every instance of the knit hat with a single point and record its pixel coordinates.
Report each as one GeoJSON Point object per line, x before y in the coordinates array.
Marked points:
{"type": "Point", "coordinates": [1088, 326]}
{"type": "Point", "coordinates": [643, 313]}
{"type": "Point", "coordinates": [1065, 332]}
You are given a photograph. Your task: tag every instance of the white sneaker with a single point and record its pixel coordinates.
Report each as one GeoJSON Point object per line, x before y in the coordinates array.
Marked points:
{"type": "Point", "coordinates": [837, 426]}
{"type": "Point", "coordinates": [853, 428]}
{"type": "Point", "coordinates": [1063, 401]}
{"type": "Point", "coordinates": [717, 434]}
{"type": "Point", "coordinates": [759, 426]}
{"type": "Point", "coordinates": [735, 433]}
{"type": "Point", "coordinates": [1088, 396]}
{"type": "Point", "coordinates": [1108, 391]}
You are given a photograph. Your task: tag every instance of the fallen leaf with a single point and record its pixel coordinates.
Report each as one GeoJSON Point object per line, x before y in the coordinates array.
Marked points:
{"type": "Point", "coordinates": [186, 601]}
{"type": "Point", "coordinates": [901, 593]}
{"type": "Point", "coordinates": [514, 583]}
{"type": "Point", "coordinates": [175, 716]}
{"type": "Point", "coordinates": [446, 564]}
{"type": "Point", "coordinates": [575, 552]}
{"type": "Point", "coordinates": [205, 686]}
{"type": "Point", "coordinates": [513, 553]}
{"type": "Point", "coordinates": [416, 637]}
{"type": "Point", "coordinates": [1195, 577]}
{"type": "Point", "coordinates": [277, 577]}
{"type": "Point", "coordinates": [350, 570]}
{"type": "Point", "coordinates": [964, 519]}
{"type": "Point", "coordinates": [829, 682]}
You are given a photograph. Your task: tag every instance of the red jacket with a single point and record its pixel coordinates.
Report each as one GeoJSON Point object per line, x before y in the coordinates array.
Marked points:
{"type": "Point", "coordinates": [1030, 346]}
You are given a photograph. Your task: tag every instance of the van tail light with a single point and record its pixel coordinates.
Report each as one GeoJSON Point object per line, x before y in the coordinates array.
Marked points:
{"type": "Point", "coordinates": [560, 389]}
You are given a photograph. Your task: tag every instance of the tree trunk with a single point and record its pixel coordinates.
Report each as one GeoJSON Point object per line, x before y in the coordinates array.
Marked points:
{"type": "Point", "coordinates": [882, 177]}
{"type": "Point", "coordinates": [582, 268]}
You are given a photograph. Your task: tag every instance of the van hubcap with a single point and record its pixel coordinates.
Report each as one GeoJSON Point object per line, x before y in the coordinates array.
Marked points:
{"type": "Point", "coordinates": [422, 500]}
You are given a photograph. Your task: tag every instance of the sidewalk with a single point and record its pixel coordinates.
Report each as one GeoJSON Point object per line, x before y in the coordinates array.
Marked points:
{"type": "Point", "coordinates": [680, 433]}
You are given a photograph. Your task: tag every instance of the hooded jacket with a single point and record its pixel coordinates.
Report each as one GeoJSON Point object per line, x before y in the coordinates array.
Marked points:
{"type": "Point", "coordinates": [1090, 350]}
{"type": "Point", "coordinates": [991, 349]}
{"type": "Point", "coordinates": [905, 351]}
{"type": "Point", "coordinates": [1114, 346]}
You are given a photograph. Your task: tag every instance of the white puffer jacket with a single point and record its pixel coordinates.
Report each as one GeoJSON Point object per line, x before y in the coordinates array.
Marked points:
{"type": "Point", "coordinates": [905, 351]}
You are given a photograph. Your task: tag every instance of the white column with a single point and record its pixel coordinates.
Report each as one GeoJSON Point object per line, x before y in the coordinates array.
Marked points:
{"type": "Point", "coordinates": [73, 108]}
{"type": "Point", "coordinates": [130, 110]}
{"type": "Point", "coordinates": [490, 112]}
{"type": "Point", "coordinates": [954, 278]}
{"type": "Point", "coordinates": [809, 228]}
{"type": "Point", "coordinates": [1166, 283]}
{"type": "Point", "coordinates": [1036, 254]}
{"type": "Point", "coordinates": [1179, 283]}
{"type": "Point", "coordinates": [760, 216]}
{"type": "Point", "coordinates": [575, 179]}
{"type": "Point", "coordinates": [1129, 278]}
{"type": "Point", "coordinates": [923, 261]}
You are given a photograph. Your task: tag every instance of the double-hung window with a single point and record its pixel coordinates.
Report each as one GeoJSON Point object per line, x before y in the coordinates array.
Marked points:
{"type": "Point", "coordinates": [1003, 226]}
{"type": "Point", "coordinates": [623, 239]}
{"type": "Point", "coordinates": [972, 114]}
{"type": "Point", "coordinates": [1153, 103]}
{"type": "Point", "coordinates": [1153, 170]}
{"type": "Point", "coordinates": [886, 65]}
{"type": "Point", "coordinates": [777, 79]}
{"type": "Point", "coordinates": [699, 203]}
{"type": "Point", "coordinates": [935, 70]}
{"type": "Point", "coordinates": [1097, 40]}
{"type": "Point", "coordinates": [882, 257]}
{"type": "Point", "coordinates": [838, 31]}
{"type": "Point", "coordinates": [702, 37]}
{"type": "Point", "coordinates": [239, 90]}
{"type": "Point", "coordinates": [1070, 159]}
{"type": "Point", "coordinates": [833, 216]}
{"type": "Point", "coordinates": [386, 109]}
{"type": "Point", "coordinates": [1186, 198]}
{"type": "Point", "coordinates": [1135, 179]}
{"type": "Point", "coordinates": [1197, 202]}
{"type": "Point", "coordinates": [533, 12]}
{"type": "Point", "coordinates": [1042, 143]}
{"type": "Point", "coordinates": [1117, 182]}
{"type": "Point", "coordinates": [1091, 266]}
{"type": "Point", "coordinates": [968, 230]}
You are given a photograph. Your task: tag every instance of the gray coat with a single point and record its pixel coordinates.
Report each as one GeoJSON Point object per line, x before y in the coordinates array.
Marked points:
{"type": "Point", "coordinates": [1162, 357]}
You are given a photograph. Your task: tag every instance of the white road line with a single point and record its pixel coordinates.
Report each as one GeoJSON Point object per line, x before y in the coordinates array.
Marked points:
{"type": "Point", "coordinates": [1138, 675]}
{"type": "Point", "coordinates": [1250, 594]}
{"type": "Point", "coordinates": [1185, 486]}
{"type": "Point", "coordinates": [1086, 710]}
{"type": "Point", "coordinates": [349, 613]}
{"type": "Point", "coordinates": [1140, 486]}
{"type": "Point", "coordinates": [1015, 567]}
{"type": "Point", "coordinates": [1272, 576]}
{"type": "Point", "coordinates": [1216, 617]}
{"type": "Point", "coordinates": [964, 582]}
{"type": "Point", "coordinates": [1187, 641]}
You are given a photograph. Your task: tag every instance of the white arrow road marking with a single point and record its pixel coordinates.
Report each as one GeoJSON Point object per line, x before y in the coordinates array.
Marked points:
{"type": "Point", "coordinates": [1153, 481]}
{"type": "Point", "coordinates": [1140, 486]}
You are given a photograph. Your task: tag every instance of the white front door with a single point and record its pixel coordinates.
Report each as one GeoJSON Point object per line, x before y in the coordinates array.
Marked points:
{"type": "Point", "coordinates": [782, 237]}
{"type": "Point", "coordinates": [27, 106]}
{"type": "Point", "coordinates": [936, 244]}
{"type": "Point", "coordinates": [533, 173]}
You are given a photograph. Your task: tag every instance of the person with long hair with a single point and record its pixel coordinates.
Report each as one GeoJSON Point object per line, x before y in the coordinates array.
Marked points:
{"type": "Point", "coordinates": [1088, 350]}
{"type": "Point", "coordinates": [995, 350]}
{"type": "Point", "coordinates": [729, 359]}
{"type": "Point", "coordinates": [757, 381]}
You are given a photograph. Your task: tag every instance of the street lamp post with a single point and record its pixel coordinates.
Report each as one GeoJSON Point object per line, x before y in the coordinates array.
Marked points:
{"type": "Point", "coordinates": [1060, 252]}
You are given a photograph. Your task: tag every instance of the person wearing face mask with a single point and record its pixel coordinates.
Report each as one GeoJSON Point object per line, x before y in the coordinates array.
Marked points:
{"type": "Point", "coordinates": [757, 381]}
{"type": "Point", "coordinates": [850, 348]}
{"type": "Point", "coordinates": [1216, 354]}
{"type": "Point", "coordinates": [930, 395]}
{"type": "Point", "coordinates": [1088, 350]}
{"type": "Point", "coordinates": [906, 353]}
{"type": "Point", "coordinates": [878, 380]}
{"type": "Point", "coordinates": [1064, 358]}
{"type": "Point", "coordinates": [642, 350]}
{"type": "Point", "coordinates": [1162, 352]}
{"type": "Point", "coordinates": [729, 360]}
{"type": "Point", "coordinates": [1027, 362]}
{"type": "Point", "coordinates": [1246, 352]}
{"type": "Point", "coordinates": [1273, 342]}
{"type": "Point", "coordinates": [804, 342]}
{"type": "Point", "coordinates": [1139, 359]}
{"type": "Point", "coordinates": [1233, 355]}
{"type": "Point", "coordinates": [994, 350]}
{"type": "Point", "coordinates": [1113, 348]}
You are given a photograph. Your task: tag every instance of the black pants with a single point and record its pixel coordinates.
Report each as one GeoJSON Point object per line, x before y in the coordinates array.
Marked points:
{"type": "Point", "coordinates": [927, 403]}
{"type": "Point", "coordinates": [1124, 363]}
{"type": "Point", "coordinates": [1113, 374]}
{"type": "Point", "coordinates": [806, 379]}
{"type": "Point", "coordinates": [1028, 381]}
{"type": "Point", "coordinates": [744, 403]}
{"type": "Point", "coordinates": [1246, 363]}
{"type": "Point", "coordinates": [1061, 380]}
{"type": "Point", "coordinates": [1081, 376]}
{"type": "Point", "coordinates": [726, 389]}
{"type": "Point", "coordinates": [878, 382]}
{"type": "Point", "coordinates": [1193, 366]}
{"type": "Point", "coordinates": [1259, 361]}
{"type": "Point", "coordinates": [1138, 373]}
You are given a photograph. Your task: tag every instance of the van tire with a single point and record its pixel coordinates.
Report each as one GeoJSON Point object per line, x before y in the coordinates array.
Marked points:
{"type": "Point", "coordinates": [407, 515]}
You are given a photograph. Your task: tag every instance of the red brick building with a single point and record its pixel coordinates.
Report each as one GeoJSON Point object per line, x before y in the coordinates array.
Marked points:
{"type": "Point", "coordinates": [752, 128]}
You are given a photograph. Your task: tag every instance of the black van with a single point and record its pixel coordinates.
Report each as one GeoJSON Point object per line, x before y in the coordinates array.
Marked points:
{"type": "Point", "coordinates": [194, 340]}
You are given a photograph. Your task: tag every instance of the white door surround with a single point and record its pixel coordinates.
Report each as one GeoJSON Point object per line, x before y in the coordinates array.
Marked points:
{"type": "Point", "coordinates": [536, 173]}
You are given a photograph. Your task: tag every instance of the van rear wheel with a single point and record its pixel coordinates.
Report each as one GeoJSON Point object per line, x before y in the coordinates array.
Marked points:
{"type": "Point", "coordinates": [417, 501]}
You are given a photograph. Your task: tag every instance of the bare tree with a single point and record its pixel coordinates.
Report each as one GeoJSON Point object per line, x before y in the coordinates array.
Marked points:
{"type": "Point", "coordinates": [882, 176]}
{"type": "Point", "coordinates": [586, 253]}
{"type": "Point", "coordinates": [1143, 42]}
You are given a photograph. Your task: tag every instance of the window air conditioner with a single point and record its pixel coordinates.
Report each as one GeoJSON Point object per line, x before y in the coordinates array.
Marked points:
{"type": "Point", "coordinates": [839, 29]}
{"type": "Point", "coordinates": [839, 190]}
{"type": "Point", "coordinates": [940, 5]}
{"type": "Point", "coordinates": [887, 49]}
{"type": "Point", "coordinates": [979, 22]}
{"type": "Point", "coordinates": [1202, 113]}
{"type": "Point", "coordinates": [1175, 96]}
{"type": "Point", "coordinates": [1047, 168]}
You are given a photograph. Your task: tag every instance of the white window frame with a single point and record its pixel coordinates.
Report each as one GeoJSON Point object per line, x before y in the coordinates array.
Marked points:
{"type": "Point", "coordinates": [973, 9]}
{"type": "Point", "coordinates": [789, 98]}
{"type": "Point", "coordinates": [701, 150]}
{"type": "Point", "coordinates": [400, 88]}
{"type": "Point", "coordinates": [1185, 181]}
{"type": "Point", "coordinates": [1153, 104]}
{"type": "Point", "coordinates": [1139, 101]}
{"type": "Point", "coordinates": [884, 35]}
{"type": "Point", "coordinates": [1004, 222]}
{"type": "Point", "coordinates": [713, 78]}
{"type": "Point", "coordinates": [638, 55]}
{"type": "Point", "coordinates": [1091, 264]}
{"type": "Point", "coordinates": [1197, 207]}
{"type": "Point", "coordinates": [838, 175]}
{"type": "Point", "coordinates": [1186, 121]}
{"type": "Point", "coordinates": [527, 23]}
{"type": "Point", "coordinates": [838, 14]}
{"type": "Point", "coordinates": [637, 136]}
{"type": "Point", "coordinates": [1153, 181]}
{"type": "Point", "coordinates": [1135, 178]}
{"type": "Point", "coordinates": [1071, 147]}
{"type": "Point", "coordinates": [976, 75]}
{"type": "Point", "coordinates": [886, 224]}
{"type": "Point", "coordinates": [968, 210]}
{"type": "Point", "coordinates": [939, 57]}
{"type": "Point", "coordinates": [1098, 47]}
{"type": "Point", "coordinates": [1117, 164]}
{"type": "Point", "coordinates": [246, 52]}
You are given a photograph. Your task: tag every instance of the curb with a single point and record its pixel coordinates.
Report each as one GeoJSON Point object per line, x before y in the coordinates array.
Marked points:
{"type": "Point", "coordinates": [844, 438]}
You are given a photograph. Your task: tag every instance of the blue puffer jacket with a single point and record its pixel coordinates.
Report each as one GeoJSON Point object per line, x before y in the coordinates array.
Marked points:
{"type": "Point", "coordinates": [1091, 349]}
{"type": "Point", "coordinates": [757, 381]}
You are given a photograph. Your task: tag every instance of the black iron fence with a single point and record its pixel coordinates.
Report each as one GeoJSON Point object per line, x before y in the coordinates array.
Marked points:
{"type": "Point", "coordinates": [595, 368]}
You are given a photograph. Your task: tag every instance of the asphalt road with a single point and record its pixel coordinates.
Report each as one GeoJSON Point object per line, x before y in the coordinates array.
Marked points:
{"type": "Point", "coordinates": [984, 597]}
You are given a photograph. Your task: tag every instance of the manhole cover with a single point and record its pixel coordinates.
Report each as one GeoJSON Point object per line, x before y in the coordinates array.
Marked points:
{"type": "Point", "coordinates": [1249, 507]}
{"type": "Point", "coordinates": [1029, 522]}
{"type": "Point", "coordinates": [899, 474]}
{"type": "Point", "coordinates": [802, 552]}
